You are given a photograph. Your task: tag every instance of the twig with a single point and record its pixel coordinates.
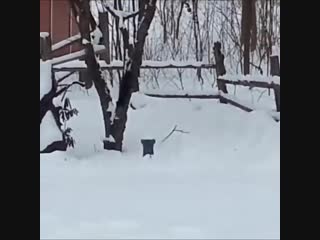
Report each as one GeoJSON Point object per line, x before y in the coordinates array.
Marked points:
{"type": "Point", "coordinates": [112, 11]}
{"type": "Point", "coordinates": [175, 127]}
{"type": "Point", "coordinates": [261, 95]}
{"type": "Point", "coordinates": [181, 131]}
{"type": "Point", "coordinates": [64, 77]}
{"type": "Point", "coordinates": [257, 67]}
{"type": "Point", "coordinates": [64, 95]}
{"type": "Point", "coordinates": [66, 88]}
{"type": "Point", "coordinates": [172, 131]}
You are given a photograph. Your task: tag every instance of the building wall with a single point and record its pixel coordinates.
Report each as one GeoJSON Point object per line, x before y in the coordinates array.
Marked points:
{"type": "Point", "coordinates": [56, 19]}
{"type": "Point", "coordinates": [45, 16]}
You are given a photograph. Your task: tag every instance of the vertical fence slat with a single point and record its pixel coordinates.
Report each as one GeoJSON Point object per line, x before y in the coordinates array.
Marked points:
{"type": "Point", "coordinates": [45, 47]}
{"type": "Point", "coordinates": [220, 69]}
{"type": "Point", "coordinates": [275, 71]}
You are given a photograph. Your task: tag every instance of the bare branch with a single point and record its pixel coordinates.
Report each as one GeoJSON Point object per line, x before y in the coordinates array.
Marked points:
{"type": "Point", "coordinates": [172, 131]}
{"type": "Point", "coordinates": [67, 87]}
{"type": "Point", "coordinates": [116, 13]}
{"type": "Point", "coordinates": [66, 76]}
{"type": "Point", "coordinates": [175, 127]}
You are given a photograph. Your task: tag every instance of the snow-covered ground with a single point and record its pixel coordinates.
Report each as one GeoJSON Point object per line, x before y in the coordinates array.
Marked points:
{"type": "Point", "coordinates": [221, 180]}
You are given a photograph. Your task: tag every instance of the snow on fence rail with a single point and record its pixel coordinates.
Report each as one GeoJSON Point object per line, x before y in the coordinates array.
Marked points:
{"type": "Point", "coordinates": [251, 80]}
{"type": "Point", "coordinates": [71, 63]}
{"type": "Point", "coordinates": [76, 55]}
{"type": "Point", "coordinates": [47, 49]}
{"type": "Point", "coordinates": [78, 65]}
{"type": "Point", "coordinates": [212, 94]}
{"type": "Point", "coordinates": [66, 42]}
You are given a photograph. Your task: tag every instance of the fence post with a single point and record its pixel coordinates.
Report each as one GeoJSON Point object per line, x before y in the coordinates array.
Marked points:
{"type": "Point", "coordinates": [220, 68]}
{"type": "Point", "coordinates": [274, 66]}
{"type": "Point", "coordinates": [104, 24]}
{"type": "Point", "coordinates": [276, 89]}
{"type": "Point", "coordinates": [85, 78]}
{"type": "Point", "coordinates": [275, 71]}
{"type": "Point", "coordinates": [45, 47]}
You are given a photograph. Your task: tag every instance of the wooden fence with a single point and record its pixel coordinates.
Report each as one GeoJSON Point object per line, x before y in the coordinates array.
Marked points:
{"type": "Point", "coordinates": [222, 78]}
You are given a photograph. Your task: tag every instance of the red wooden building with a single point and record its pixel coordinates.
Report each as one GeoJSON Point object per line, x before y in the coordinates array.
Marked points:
{"type": "Point", "coordinates": [56, 19]}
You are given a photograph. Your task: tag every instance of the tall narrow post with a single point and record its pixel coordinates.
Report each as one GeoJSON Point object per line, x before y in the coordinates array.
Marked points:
{"type": "Point", "coordinates": [220, 68]}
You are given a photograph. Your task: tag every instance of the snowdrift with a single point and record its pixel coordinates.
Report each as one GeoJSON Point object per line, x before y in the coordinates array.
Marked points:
{"type": "Point", "coordinates": [219, 180]}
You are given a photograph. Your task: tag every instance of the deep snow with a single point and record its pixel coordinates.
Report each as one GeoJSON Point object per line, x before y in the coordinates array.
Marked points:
{"type": "Point", "coordinates": [219, 181]}
{"type": "Point", "coordinates": [222, 180]}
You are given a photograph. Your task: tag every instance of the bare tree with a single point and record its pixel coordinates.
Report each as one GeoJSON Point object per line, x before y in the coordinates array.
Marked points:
{"type": "Point", "coordinates": [129, 83]}
{"type": "Point", "coordinates": [81, 10]}
{"type": "Point", "coordinates": [115, 118]}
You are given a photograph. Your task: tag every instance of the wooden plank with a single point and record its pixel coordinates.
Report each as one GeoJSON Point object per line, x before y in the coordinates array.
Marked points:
{"type": "Point", "coordinates": [235, 103]}
{"type": "Point", "coordinates": [74, 56]}
{"type": "Point", "coordinates": [197, 96]}
{"type": "Point", "coordinates": [178, 66]}
{"type": "Point", "coordinates": [66, 42]}
{"type": "Point", "coordinates": [247, 83]}
{"type": "Point", "coordinates": [259, 84]}
{"type": "Point", "coordinates": [243, 107]}
{"type": "Point", "coordinates": [118, 67]}
{"type": "Point", "coordinates": [223, 97]}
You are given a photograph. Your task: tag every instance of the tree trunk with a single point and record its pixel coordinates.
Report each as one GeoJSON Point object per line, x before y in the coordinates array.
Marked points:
{"type": "Point", "coordinates": [129, 83]}
{"type": "Point", "coordinates": [178, 20]}
{"type": "Point", "coordinates": [164, 22]}
{"type": "Point", "coordinates": [93, 67]}
{"type": "Point", "coordinates": [134, 20]}
{"type": "Point", "coordinates": [246, 34]}
{"type": "Point", "coordinates": [119, 124]}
